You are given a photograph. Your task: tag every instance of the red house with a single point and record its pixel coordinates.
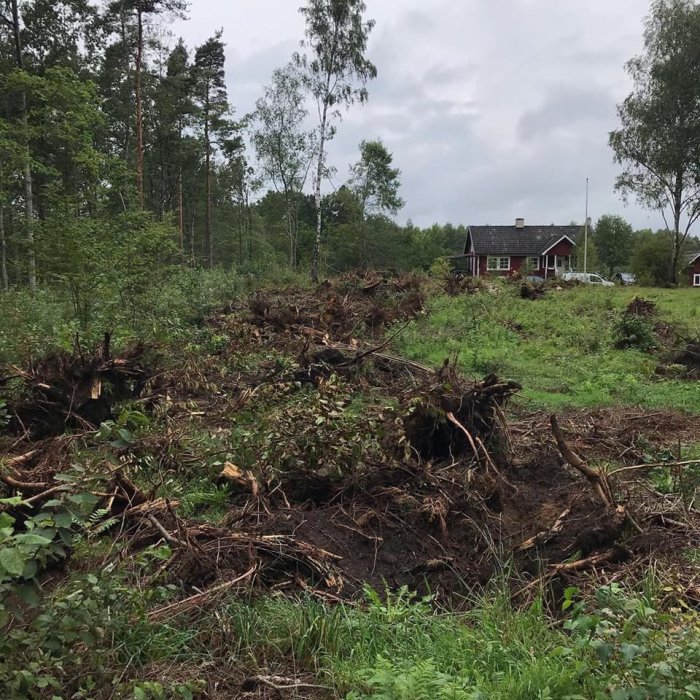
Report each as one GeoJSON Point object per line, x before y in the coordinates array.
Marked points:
{"type": "Point", "coordinates": [505, 250]}
{"type": "Point", "coordinates": [694, 269]}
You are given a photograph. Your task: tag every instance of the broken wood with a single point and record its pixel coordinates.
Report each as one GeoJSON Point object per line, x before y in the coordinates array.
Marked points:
{"type": "Point", "coordinates": [195, 601]}
{"type": "Point", "coordinates": [235, 475]}
{"type": "Point", "coordinates": [545, 535]}
{"type": "Point", "coordinates": [596, 478]}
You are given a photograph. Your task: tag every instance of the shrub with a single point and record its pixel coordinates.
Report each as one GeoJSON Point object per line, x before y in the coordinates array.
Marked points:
{"type": "Point", "coordinates": [633, 331]}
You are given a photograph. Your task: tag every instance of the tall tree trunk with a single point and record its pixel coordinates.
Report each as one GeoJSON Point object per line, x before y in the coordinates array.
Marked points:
{"type": "Point", "coordinates": [676, 244]}
{"type": "Point", "coordinates": [181, 213]}
{"type": "Point", "coordinates": [27, 169]}
{"type": "Point", "coordinates": [315, 258]}
{"type": "Point", "coordinates": [208, 243]}
{"type": "Point", "coordinates": [139, 106]}
{"type": "Point", "coordinates": [241, 225]}
{"type": "Point", "coordinates": [4, 280]}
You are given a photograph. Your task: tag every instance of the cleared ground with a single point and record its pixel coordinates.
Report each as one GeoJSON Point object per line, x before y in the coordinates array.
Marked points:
{"type": "Point", "coordinates": [289, 505]}
{"type": "Point", "coordinates": [561, 346]}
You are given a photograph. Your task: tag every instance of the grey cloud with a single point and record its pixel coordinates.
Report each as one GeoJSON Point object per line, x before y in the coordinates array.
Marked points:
{"type": "Point", "coordinates": [492, 109]}
{"type": "Point", "coordinates": [569, 109]}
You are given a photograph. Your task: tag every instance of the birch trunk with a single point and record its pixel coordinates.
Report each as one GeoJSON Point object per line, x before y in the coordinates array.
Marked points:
{"type": "Point", "coordinates": [676, 247]}
{"type": "Point", "coordinates": [139, 107]}
{"type": "Point", "coordinates": [4, 280]}
{"type": "Point", "coordinates": [319, 174]}
{"type": "Point", "coordinates": [27, 169]}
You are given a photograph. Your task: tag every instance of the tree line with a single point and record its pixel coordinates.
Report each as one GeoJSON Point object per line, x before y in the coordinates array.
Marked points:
{"type": "Point", "coordinates": [615, 246]}
{"type": "Point", "coordinates": [121, 154]}
{"type": "Point", "coordinates": [120, 151]}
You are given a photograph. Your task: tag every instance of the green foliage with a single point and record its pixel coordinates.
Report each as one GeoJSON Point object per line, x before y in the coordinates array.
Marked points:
{"type": "Point", "coordinates": [657, 144]}
{"type": "Point", "coordinates": [642, 652]}
{"type": "Point", "coordinates": [651, 258]}
{"type": "Point", "coordinates": [634, 331]}
{"type": "Point", "coordinates": [613, 241]}
{"type": "Point", "coordinates": [401, 648]}
{"type": "Point", "coordinates": [410, 681]}
{"type": "Point", "coordinates": [154, 690]}
{"type": "Point", "coordinates": [124, 431]}
{"type": "Point", "coordinates": [561, 348]}
{"type": "Point", "coordinates": [318, 430]}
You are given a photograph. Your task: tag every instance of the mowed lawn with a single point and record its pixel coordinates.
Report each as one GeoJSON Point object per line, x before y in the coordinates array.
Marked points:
{"type": "Point", "coordinates": [561, 347]}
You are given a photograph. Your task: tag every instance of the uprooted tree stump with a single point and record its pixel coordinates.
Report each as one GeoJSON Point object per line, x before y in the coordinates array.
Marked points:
{"type": "Point", "coordinates": [64, 390]}
{"type": "Point", "coordinates": [689, 357]}
{"type": "Point", "coordinates": [454, 418]}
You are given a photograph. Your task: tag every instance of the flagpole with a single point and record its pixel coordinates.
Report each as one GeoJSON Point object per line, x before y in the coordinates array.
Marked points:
{"type": "Point", "coordinates": [585, 236]}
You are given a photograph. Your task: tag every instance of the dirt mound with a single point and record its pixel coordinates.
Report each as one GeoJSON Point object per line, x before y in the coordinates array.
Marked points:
{"type": "Point", "coordinates": [689, 358]}
{"type": "Point", "coordinates": [641, 307]}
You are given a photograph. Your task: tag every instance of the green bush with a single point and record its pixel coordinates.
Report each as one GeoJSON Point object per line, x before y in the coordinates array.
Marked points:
{"type": "Point", "coordinates": [633, 331]}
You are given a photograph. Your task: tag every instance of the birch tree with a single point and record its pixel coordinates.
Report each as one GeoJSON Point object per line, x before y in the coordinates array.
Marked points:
{"type": "Point", "coordinates": [658, 142]}
{"type": "Point", "coordinates": [283, 148]}
{"type": "Point", "coordinates": [337, 71]}
{"type": "Point", "coordinates": [376, 185]}
{"type": "Point", "coordinates": [10, 16]}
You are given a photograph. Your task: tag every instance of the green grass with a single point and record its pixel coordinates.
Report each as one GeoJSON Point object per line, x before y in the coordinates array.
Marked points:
{"type": "Point", "coordinates": [92, 639]}
{"type": "Point", "coordinates": [561, 347]}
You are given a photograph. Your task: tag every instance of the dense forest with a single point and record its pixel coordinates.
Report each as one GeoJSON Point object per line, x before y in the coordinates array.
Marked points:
{"type": "Point", "coordinates": [119, 143]}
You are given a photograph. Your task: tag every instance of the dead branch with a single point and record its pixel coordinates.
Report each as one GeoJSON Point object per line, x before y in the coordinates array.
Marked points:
{"type": "Point", "coordinates": [170, 611]}
{"type": "Point", "coordinates": [545, 535]}
{"type": "Point", "coordinates": [594, 476]}
{"type": "Point", "coordinates": [451, 417]}
{"type": "Point", "coordinates": [20, 459]}
{"type": "Point", "coordinates": [25, 485]}
{"type": "Point", "coordinates": [594, 560]}
{"type": "Point", "coordinates": [657, 465]}
{"type": "Point", "coordinates": [281, 683]}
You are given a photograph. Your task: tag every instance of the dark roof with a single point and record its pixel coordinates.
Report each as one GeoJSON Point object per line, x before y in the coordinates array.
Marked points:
{"type": "Point", "coordinates": [508, 240]}
{"type": "Point", "coordinates": [692, 257]}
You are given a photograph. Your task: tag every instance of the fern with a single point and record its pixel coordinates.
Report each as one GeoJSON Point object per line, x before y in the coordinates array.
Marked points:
{"type": "Point", "coordinates": [98, 522]}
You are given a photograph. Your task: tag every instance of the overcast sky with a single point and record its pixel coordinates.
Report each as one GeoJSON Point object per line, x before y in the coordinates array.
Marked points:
{"type": "Point", "coordinates": [493, 109]}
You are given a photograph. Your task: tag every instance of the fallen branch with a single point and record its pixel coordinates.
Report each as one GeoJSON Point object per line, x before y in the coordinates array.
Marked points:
{"type": "Point", "coordinates": [545, 535]}
{"type": "Point", "coordinates": [170, 611]}
{"type": "Point", "coordinates": [593, 560]}
{"type": "Point", "coordinates": [20, 459]}
{"type": "Point", "coordinates": [26, 485]}
{"type": "Point", "coordinates": [554, 569]}
{"type": "Point", "coordinates": [594, 476]}
{"type": "Point", "coordinates": [280, 683]}
{"type": "Point", "coordinates": [657, 465]}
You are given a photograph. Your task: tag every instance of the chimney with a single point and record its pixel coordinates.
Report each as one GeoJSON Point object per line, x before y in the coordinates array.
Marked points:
{"type": "Point", "coordinates": [520, 223]}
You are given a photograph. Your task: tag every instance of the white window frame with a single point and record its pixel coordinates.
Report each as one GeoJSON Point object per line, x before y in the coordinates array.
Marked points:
{"type": "Point", "coordinates": [493, 263]}
{"type": "Point", "coordinates": [553, 260]}
{"type": "Point", "coordinates": [534, 262]}
{"type": "Point", "coordinates": [696, 280]}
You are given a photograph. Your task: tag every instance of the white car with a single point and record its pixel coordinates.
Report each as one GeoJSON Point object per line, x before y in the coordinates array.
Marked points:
{"type": "Point", "coordinates": [586, 278]}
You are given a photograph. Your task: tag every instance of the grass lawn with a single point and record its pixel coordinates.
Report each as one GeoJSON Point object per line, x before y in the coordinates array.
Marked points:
{"type": "Point", "coordinates": [561, 347]}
